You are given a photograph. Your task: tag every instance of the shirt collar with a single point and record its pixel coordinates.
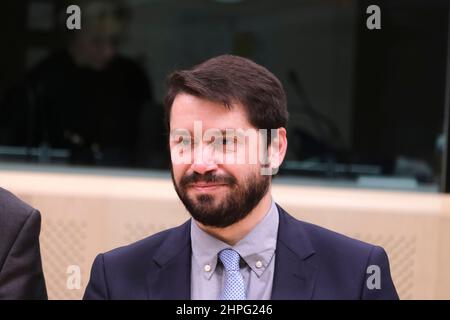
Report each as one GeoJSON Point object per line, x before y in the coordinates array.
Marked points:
{"type": "Point", "coordinates": [256, 249]}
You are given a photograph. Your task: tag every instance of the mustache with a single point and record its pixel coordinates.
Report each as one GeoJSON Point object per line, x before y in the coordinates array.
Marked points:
{"type": "Point", "coordinates": [207, 178]}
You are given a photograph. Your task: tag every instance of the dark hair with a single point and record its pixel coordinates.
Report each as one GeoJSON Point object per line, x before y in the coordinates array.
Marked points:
{"type": "Point", "coordinates": [227, 79]}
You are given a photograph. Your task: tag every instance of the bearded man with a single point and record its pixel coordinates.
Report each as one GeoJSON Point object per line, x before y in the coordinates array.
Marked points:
{"type": "Point", "coordinates": [227, 119]}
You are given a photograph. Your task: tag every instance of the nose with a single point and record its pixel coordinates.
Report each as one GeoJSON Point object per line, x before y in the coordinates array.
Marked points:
{"type": "Point", "coordinates": [204, 160]}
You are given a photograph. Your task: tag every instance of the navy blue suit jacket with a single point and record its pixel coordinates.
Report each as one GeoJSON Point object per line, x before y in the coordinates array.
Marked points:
{"type": "Point", "coordinates": [310, 263]}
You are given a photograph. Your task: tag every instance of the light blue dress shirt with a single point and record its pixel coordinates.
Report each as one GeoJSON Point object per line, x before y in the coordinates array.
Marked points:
{"type": "Point", "coordinates": [257, 251]}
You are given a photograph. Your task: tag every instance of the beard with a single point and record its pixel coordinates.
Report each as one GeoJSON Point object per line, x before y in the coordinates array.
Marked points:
{"type": "Point", "coordinates": [223, 209]}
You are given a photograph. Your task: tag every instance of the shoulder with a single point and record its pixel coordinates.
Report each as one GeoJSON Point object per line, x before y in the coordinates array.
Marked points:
{"type": "Point", "coordinates": [14, 211]}
{"type": "Point", "coordinates": [127, 65]}
{"type": "Point", "coordinates": [170, 240]}
{"type": "Point", "coordinates": [321, 238]}
{"type": "Point", "coordinates": [18, 221]}
{"type": "Point", "coordinates": [343, 264]}
{"type": "Point", "coordinates": [330, 250]}
{"type": "Point", "coordinates": [132, 74]}
{"type": "Point", "coordinates": [54, 63]}
{"type": "Point", "coordinates": [329, 240]}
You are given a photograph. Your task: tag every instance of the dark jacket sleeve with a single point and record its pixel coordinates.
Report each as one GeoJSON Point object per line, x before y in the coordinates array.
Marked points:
{"type": "Point", "coordinates": [21, 275]}
{"type": "Point", "coordinates": [97, 288]}
{"type": "Point", "coordinates": [378, 283]}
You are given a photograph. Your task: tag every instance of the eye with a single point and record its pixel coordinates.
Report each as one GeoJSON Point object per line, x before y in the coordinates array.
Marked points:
{"type": "Point", "coordinates": [228, 144]}
{"type": "Point", "coordinates": [185, 141]}
{"type": "Point", "coordinates": [227, 141]}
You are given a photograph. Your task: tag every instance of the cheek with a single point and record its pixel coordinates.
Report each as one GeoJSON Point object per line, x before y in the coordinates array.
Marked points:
{"type": "Point", "coordinates": [241, 171]}
{"type": "Point", "coordinates": [252, 153]}
{"type": "Point", "coordinates": [178, 170]}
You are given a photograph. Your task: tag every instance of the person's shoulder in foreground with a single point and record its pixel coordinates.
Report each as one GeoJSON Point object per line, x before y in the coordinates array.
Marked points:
{"type": "Point", "coordinates": [324, 264]}
{"type": "Point", "coordinates": [21, 275]}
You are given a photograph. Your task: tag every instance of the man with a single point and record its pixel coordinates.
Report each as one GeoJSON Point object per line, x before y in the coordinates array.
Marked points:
{"type": "Point", "coordinates": [239, 243]}
{"type": "Point", "coordinates": [21, 275]}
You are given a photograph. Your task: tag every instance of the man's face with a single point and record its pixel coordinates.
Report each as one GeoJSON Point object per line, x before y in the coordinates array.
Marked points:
{"type": "Point", "coordinates": [217, 193]}
{"type": "Point", "coordinates": [97, 49]}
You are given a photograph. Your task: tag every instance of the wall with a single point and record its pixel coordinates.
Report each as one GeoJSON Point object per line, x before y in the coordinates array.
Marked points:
{"type": "Point", "coordinates": [85, 214]}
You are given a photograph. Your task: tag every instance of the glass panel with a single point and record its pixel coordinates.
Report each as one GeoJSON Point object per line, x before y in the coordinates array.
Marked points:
{"type": "Point", "coordinates": [366, 106]}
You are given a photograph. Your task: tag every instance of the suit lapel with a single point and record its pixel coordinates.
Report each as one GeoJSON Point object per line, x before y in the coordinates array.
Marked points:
{"type": "Point", "coordinates": [169, 277]}
{"type": "Point", "coordinates": [294, 277]}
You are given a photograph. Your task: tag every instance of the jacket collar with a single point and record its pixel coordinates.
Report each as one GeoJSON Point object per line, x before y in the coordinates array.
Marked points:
{"type": "Point", "coordinates": [170, 278]}
{"type": "Point", "coordinates": [295, 275]}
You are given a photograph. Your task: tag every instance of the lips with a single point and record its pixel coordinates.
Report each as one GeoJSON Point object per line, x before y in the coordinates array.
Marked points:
{"type": "Point", "coordinates": [202, 186]}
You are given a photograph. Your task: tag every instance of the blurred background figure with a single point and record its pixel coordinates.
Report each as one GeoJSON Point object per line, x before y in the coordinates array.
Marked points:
{"type": "Point", "coordinates": [86, 99]}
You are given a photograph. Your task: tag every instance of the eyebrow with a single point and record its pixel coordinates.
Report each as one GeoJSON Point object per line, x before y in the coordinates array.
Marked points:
{"type": "Point", "coordinates": [235, 132]}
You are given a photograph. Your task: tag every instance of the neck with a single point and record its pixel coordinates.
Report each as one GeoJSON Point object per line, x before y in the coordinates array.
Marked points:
{"type": "Point", "coordinates": [237, 231]}
{"type": "Point", "coordinates": [76, 55]}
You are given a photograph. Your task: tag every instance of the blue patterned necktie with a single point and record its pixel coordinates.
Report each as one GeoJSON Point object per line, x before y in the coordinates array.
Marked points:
{"type": "Point", "coordinates": [234, 288]}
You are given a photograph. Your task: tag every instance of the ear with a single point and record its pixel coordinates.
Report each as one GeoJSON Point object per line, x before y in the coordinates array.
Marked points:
{"type": "Point", "coordinates": [277, 149]}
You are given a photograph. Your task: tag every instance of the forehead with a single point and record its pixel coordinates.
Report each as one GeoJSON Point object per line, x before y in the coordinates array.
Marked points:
{"type": "Point", "coordinates": [186, 109]}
